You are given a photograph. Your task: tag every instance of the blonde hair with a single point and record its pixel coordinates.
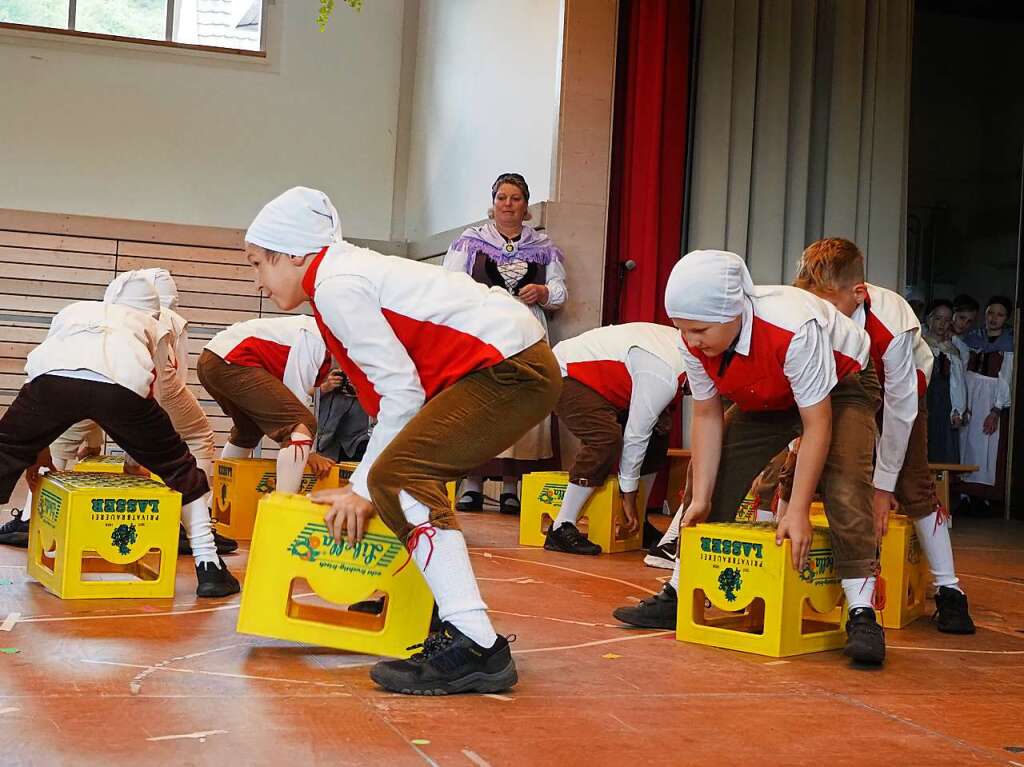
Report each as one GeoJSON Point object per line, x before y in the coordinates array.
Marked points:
{"type": "Point", "coordinates": [830, 264]}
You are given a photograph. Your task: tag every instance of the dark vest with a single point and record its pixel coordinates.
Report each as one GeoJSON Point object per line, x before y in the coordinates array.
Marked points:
{"type": "Point", "coordinates": [486, 271]}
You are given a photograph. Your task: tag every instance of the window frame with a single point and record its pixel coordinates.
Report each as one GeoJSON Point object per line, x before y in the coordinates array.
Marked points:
{"type": "Point", "coordinates": [166, 43]}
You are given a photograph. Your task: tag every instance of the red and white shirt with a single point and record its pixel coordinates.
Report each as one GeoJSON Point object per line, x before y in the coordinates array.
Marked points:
{"type": "Point", "coordinates": [793, 349]}
{"type": "Point", "coordinates": [903, 362]}
{"type": "Point", "coordinates": [637, 367]}
{"type": "Point", "coordinates": [289, 348]}
{"type": "Point", "coordinates": [403, 331]}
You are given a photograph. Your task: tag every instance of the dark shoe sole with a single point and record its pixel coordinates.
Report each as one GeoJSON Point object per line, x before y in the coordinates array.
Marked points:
{"type": "Point", "coordinates": [18, 540]}
{"type": "Point", "coordinates": [478, 682]}
{"type": "Point", "coordinates": [223, 589]}
{"type": "Point", "coordinates": [552, 547]}
{"type": "Point", "coordinates": [866, 657]}
{"type": "Point", "coordinates": [642, 623]}
{"type": "Point", "coordinates": [963, 630]}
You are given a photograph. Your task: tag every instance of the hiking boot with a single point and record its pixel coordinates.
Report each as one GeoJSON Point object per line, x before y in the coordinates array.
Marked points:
{"type": "Point", "coordinates": [951, 614]}
{"type": "Point", "coordinates": [508, 503]}
{"type": "Point", "coordinates": [865, 639]}
{"type": "Point", "coordinates": [655, 612]}
{"type": "Point", "coordinates": [449, 662]}
{"type": "Point", "coordinates": [224, 545]}
{"type": "Point", "coordinates": [662, 555]}
{"type": "Point", "coordinates": [215, 581]}
{"type": "Point", "coordinates": [569, 540]}
{"type": "Point", "coordinates": [470, 501]}
{"type": "Point", "coordinates": [14, 532]}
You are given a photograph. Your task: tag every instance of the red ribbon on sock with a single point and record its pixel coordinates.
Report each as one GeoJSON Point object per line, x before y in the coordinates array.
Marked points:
{"type": "Point", "coordinates": [942, 515]}
{"type": "Point", "coordinates": [298, 444]}
{"type": "Point", "coordinates": [878, 595]}
{"type": "Point", "coordinates": [426, 529]}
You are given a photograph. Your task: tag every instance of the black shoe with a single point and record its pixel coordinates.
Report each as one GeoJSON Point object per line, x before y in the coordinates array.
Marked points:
{"type": "Point", "coordinates": [215, 581]}
{"type": "Point", "coordinates": [951, 614]}
{"type": "Point", "coordinates": [15, 531]}
{"type": "Point", "coordinates": [569, 540]}
{"type": "Point", "coordinates": [865, 639]}
{"type": "Point", "coordinates": [224, 545]}
{"type": "Point", "coordinates": [656, 612]}
{"type": "Point", "coordinates": [471, 500]}
{"type": "Point", "coordinates": [508, 503]}
{"type": "Point", "coordinates": [651, 534]}
{"type": "Point", "coordinates": [663, 556]}
{"type": "Point", "coordinates": [449, 662]}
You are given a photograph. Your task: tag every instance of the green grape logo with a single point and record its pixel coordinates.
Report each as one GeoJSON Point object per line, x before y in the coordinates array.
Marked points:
{"type": "Point", "coordinates": [123, 537]}
{"type": "Point", "coordinates": [730, 581]}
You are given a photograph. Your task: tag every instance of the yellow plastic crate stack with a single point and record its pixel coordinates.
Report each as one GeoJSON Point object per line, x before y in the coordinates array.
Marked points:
{"type": "Point", "coordinates": [104, 464]}
{"type": "Point", "coordinates": [542, 496]}
{"type": "Point", "coordinates": [904, 567]}
{"type": "Point", "coordinates": [759, 602]}
{"type": "Point", "coordinates": [104, 535]}
{"type": "Point", "coordinates": [300, 581]}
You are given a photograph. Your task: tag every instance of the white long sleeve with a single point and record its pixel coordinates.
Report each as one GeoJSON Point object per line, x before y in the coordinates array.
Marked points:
{"type": "Point", "coordinates": [181, 354]}
{"type": "Point", "coordinates": [653, 390]}
{"type": "Point", "coordinates": [1004, 391]}
{"type": "Point", "coordinates": [957, 384]}
{"type": "Point", "coordinates": [353, 313]}
{"type": "Point", "coordinates": [304, 361]}
{"type": "Point", "coordinates": [899, 410]}
{"type": "Point", "coordinates": [456, 260]}
{"type": "Point", "coordinates": [810, 365]}
{"type": "Point", "coordinates": [557, 291]}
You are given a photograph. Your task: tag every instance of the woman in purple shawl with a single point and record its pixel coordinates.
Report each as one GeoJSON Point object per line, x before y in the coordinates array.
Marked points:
{"type": "Point", "coordinates": [989, 378]}
{"type": "Point", "coordinates": [506, 253]}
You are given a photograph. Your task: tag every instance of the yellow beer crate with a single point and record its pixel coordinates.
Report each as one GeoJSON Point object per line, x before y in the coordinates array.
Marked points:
{"type": "Point", "coordinates": [903, 566]}
{"type": "Point", "coordinates": [758, 602]}
{"type": "Point", "coordinates": [103, 535]}
{"type": "Point", "coordinates": [105, 464]}
{"type": "Point", "coordinates": [300, 581]}
{"type": "Point", "coordinates": [601, 520]}
{"type": "Point", "coordinates": [240, 483]}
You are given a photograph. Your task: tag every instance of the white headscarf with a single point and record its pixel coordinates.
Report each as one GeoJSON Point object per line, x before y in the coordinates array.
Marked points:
{"type": "Point", "coordinates": [708, 286]}
{"type": "Point", "coordinates": [134, 289]}
{"type": "Point", "coordinates": [298, 222]}
{"type": "Point", "coordinates": [166, 290]}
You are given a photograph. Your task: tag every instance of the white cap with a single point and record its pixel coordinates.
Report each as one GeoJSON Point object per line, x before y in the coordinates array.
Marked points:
{"type": "Point", "coordinates": [708, 286]}
{"type": "Point", "coordinates": [166, 290]}
{"type": "Point", "coordinates": [298, 222]}
{"type": "Point", "coordinates": [134, 289]}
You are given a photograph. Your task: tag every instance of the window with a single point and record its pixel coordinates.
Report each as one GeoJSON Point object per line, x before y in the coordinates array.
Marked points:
{"type": "Point", "coordinates": [234, 24]}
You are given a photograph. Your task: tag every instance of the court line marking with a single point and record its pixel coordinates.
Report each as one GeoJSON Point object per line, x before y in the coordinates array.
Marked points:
{"type": "Point", "coordinates": [213, 673]}
{"type": "Point", "coordinates": [475, 758]}
{"type": "Point", "coordinates": [135, 686]}
{"type": "Point", "coordinates": [1008, 582]}
{"type": "Point", "coordinates": [107, 616]}
{"type": "Point", "coordinates": [200, 736]}
{"type": "Point", "coordinates": [949, 649]}
{"type": "Point", "coordinates": [568, 570]}
{"type": "Point", "coordinates": [595, 643]}
{"type": "Point", "coordinates": [9, 710]}
{"type": "Point", "coordinates": [10, 621]}
{"type": "Point", "coordinates": [558, 620]}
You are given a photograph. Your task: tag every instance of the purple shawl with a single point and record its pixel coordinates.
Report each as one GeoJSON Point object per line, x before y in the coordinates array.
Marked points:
{"type": "Point", "coordinates": [977, 340]}
{"type": "Point", "coordinates": [533, 246]}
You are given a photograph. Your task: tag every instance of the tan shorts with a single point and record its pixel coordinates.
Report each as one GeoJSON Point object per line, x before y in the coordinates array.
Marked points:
{"type": "Point", "coordinates": [256, 402]}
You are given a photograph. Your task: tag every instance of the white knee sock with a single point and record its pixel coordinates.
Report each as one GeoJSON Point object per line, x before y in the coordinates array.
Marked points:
{"type": "Point", "coordinates": [576, 497]}
{"type": "Point", "coordinates": [510, 485]}
{"type": "Point", "coordinates": [858, 591]}
{"type": "Point", "coordinates": [195, 516]}
{"type": "Point", "coordinates": [674, 580]}
{"type": "Point", "coordinates": [672, 533]}
{"type": "Point", "coordinates": [472, 485]}
{"type": "Point", "coordinates": [934, 537]}
{"type": "Point", "coordinates": [291, 462]}
{"type": "Point", "coordinates": [26, 513]}
{"type": "Point", "coordinates": [447, 570]}
{"type": "Point", "coordinates": [234, 451]}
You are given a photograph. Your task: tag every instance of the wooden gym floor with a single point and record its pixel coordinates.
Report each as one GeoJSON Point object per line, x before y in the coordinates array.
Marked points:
{"type": "Point", "coordinates": [154, 683]}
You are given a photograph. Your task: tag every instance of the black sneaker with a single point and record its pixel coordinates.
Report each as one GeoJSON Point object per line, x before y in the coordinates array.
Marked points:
{"type": "Point", "coordinates": [215, 581]}
{"type": "Point", "coordinates": [508, 503]}
{"type": "Point", "coordinates": [656, 612]}
{"type": "Point", "coordinates": [951, 614]}
{"type": "Point", "coordinates": [449, 662]}
{"type": "Point", "coordinates": [470, 501]}
{"type": "Point", "coordinates": [224, 545]}
{"type": "Point", "coordinates": [865, 639]}
{"type": "Point", "coordinates": [663, 556]}
{"type": "Point", "coordinates": [569, 540]}
{"type": "Point", "coordinates": [14, 532]}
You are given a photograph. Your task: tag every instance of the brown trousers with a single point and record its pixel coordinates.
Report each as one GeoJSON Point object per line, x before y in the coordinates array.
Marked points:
{"type": "Point", "coordinates": [256, 402]}
{"type": "Point", "coordinates": [753, 439]}
{"type": "Point", "coordinates": [46, 406]}
{"type": "Point", "coordinates": [460, 428]}
{"type": "Point", "coordinates": [598, 425]}
{"type": "Point", "coordinates": [915, 486]}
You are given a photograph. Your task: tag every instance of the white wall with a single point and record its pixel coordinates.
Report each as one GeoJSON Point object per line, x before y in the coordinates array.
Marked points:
{"type": "Point", "coordinates": [485, 102]}
{"type": "Point", "coordinates": [130, 132]}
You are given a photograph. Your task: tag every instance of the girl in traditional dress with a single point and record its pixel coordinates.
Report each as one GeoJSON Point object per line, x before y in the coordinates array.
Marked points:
{"type": "Point", "coordinates": [507, 253]}
{"type": "Point", "coordinates": [989, 377]}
